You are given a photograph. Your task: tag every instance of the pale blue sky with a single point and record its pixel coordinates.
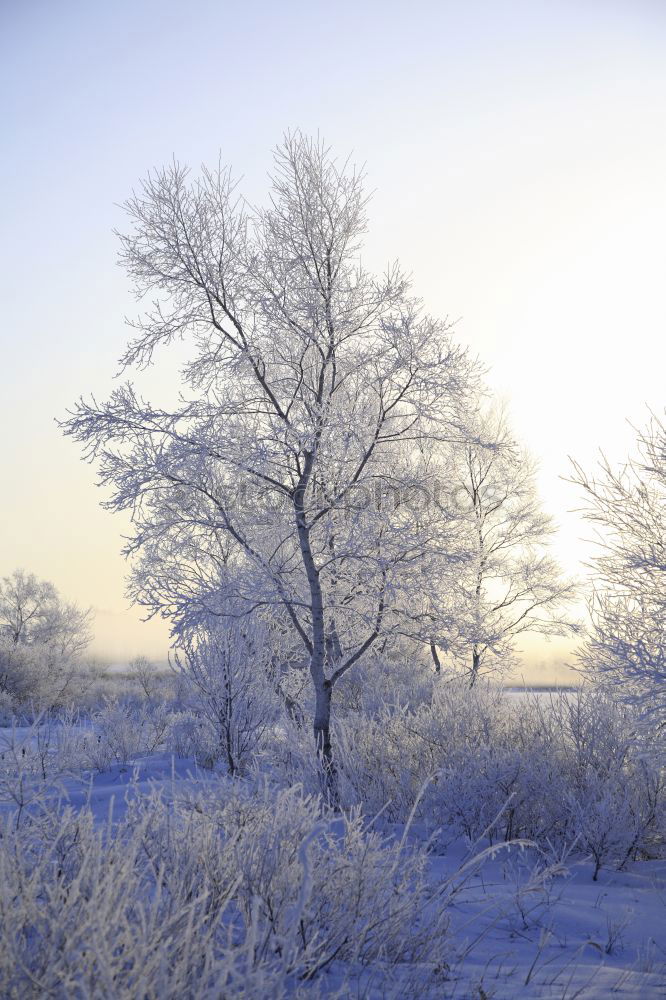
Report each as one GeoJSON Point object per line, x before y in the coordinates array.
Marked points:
{"type": "Point", "coordinates": [517, 151]}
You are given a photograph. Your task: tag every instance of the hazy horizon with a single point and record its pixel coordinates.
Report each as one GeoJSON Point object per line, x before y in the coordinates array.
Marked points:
{"type": "Point", "coordinates": [516, 152]}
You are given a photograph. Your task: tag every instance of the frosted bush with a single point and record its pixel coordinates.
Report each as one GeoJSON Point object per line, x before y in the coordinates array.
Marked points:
{"type": "Point", "coordinates": [7, 709]}
{"type": "Point", "coordinates": [324, 887]}
{"type": "Point", "coordinates": [182, 736]}
{"type": "Point", "coordinates": [288, 756]}
{"type": "Point", "coordinates": [560, 771]}
{"type": "Point", "coordinates": [41, 675]}
{"type": "Point", "coordinates": [94, 921]}
{"type": "Point", "coordinates": [226, 671]}
{"type": "Point", "coordinates": [605, 819]}
{"type": "Point", "coordinates": [621, 817]}
{"type": "Point", "coordinates": [594, 732]}
{"type": "Point", "coordinates": [468, 795]}
{"type": "Point", "coordinates": [381, 682]}
{"type": "Point", "coordinates": [385, 759]}
{"type": "Point", "coordinates": [240, 893]}
{"type": "Point", "coordinates": [382, 764]}
{"type": "Point", "coordinates": [120, 731]}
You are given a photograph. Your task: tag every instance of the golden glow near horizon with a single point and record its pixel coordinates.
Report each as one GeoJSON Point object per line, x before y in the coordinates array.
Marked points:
{"type": "Point", "coordinates": [517, 154]}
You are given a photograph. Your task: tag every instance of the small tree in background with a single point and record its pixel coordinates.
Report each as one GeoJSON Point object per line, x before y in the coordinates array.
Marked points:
{"type": "Point", "coordinates": [33, 613]}
{"type": "Point", "coordinates": [42, 639]}
{"type": "Point", "coordinates": [626, 647]}
{"type": "Point", "coordinates": [511, 585]}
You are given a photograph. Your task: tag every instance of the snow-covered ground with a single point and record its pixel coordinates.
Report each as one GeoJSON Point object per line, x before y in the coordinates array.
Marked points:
{"type": "Point", "coordinates": [572, 938]}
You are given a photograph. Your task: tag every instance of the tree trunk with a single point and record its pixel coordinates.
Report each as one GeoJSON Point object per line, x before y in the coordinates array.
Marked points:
{"type": "Point", "coordinates": [322, 736]}
{"type": "Point", "coordinates": [322, 719]}
{"type": "Point", "coordinates": [476, 663]}
{"type": "Point", "coordinates": [435, 657]}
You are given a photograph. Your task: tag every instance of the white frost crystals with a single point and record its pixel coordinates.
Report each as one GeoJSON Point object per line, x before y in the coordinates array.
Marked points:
{"type": "Point", "coordinates": [312, 383]}
{"type": "Point", "coordinates": [626, 647]}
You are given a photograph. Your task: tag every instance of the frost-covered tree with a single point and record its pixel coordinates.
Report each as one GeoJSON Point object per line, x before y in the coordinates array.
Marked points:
{"type": "Point", "coordinates": [512, 585]}
{"type": "Point", "coordinates": [33, 613]}
{"type": "Point", "coordinates": [41, 639]}
{"type": "Point", "coordinates": [626, 647]}
{"type": "Point", "coordinates": [281, 487]}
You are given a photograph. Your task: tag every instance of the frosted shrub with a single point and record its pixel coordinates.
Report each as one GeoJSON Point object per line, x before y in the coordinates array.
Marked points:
{"type": "Point", "coordinates": [381, 682]}
{"type": "Point", "coordinates": [93, 919]}
{"type": "Point", "coordinates": [563, 771]}
{"type": "Point", "coordinates": [383, 765]}
{"type": "Point", "coordinates": [608, 790]}
{"type": "Point", "coordinates": [20, 778]}
{"type": "Point", "coordinates": [183, 734]}
{"type": "Point", "coordinates": [499, 793]}
{"type": "Point", "coordinates": [620, 818]}
{"type": "Point", "coordinates": [288, 756]}
{"type": "Point", "coordinates": [468, 795]}
{"type": "Point", "coordinates": [323, 886]}
{"type": "Point", "coordinates": [536, 811]}
{"type": "Point", "coordinates": [226, 671]}
{"type": "Point", "coordinates": [574, 776]}
{"type": "Point", "coordinates": [34, 759]}
{"type": "Point", "coordinates": [236, 894]}
{"type": "Point", "coordinates": [385, 759]}
{"type": "Point", "coordinates": [40, 674]}
{"type": "Point", "coordinates": [150, 682]}
{"type": "Point", "coordinates": [53, 744]}
{"type": "Point", "coordinates": [606, 820]}
{"type": "Point", "coordinates": [121, 731]}
{"type": "Point", "coordinates": [7, 709]}
{"type": "Point", "coordinates": [460, 716]}
{"type": "Point", "coordinates": [592, 731]}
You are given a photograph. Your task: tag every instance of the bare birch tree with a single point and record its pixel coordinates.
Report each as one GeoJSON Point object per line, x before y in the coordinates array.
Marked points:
{"type": "Point", "coordinates": [312, 390]}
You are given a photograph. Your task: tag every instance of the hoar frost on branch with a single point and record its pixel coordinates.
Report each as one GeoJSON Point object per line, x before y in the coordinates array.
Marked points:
{"type": "Point", "coordinates": [512, 584]}
{"type": "Point", "coordinates": [32, 612]}
{"type": "Point", "coordinates": [316, 395]}
{"type": "Point", "coordinates": [42, 638]}
{"type": "Point", "coordinates": [627, 643]}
